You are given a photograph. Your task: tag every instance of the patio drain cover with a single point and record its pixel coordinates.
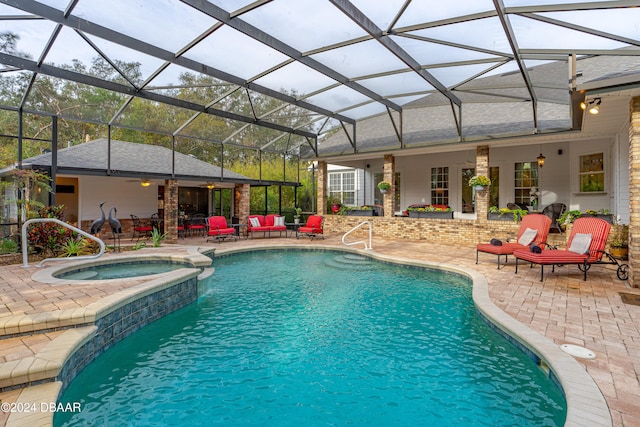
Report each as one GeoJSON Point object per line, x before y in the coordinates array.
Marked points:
{"type": "Point", "coordinates": [577, 351]}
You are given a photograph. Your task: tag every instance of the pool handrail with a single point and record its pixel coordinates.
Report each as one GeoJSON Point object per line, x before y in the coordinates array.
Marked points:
{"type": "Point", "coordinates": [363, 223]}
{"type": "Point", "coordinates": [25, 248]}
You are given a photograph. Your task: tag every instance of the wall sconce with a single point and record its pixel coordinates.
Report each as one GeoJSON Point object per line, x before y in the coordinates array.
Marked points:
{"type": "Point", "coordinates": [145, 182]}
{"type": "Point", "coordinates": [540, 159]}
{"type": "Point", "coordinates": [593, 105]}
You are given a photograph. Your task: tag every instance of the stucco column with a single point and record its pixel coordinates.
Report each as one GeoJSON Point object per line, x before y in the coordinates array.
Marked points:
{"type": "Point", "coordinates": [389, 169]}
{"type": "Point", "coordinates": [323, 188]}
{"type": "Point", "coordinates": [634, 193]}
{"type": "Point", "coordinates": [482, 197]}
{"type": "Point", "coordinates": [171, 210]}
{"type": "Point", "coordinates": [242, 202]}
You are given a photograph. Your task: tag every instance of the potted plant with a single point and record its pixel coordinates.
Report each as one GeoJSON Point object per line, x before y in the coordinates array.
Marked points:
{"type": "Point", "coordinates": [479, 182]}
{"type": "Point", "coordinates": [619, 247]}
{"type": "Point", "coordinates": [600, 213]}
{"type": "Point", "coordinates": [430, 211]}
{"type": "Point", "coordinates": [362, 211]}
{"type": "Point", "coordinates": [334, 203]}
{"type": "Point", "coordinates": [296, 216]}
{"type": "Point", "coordinates": [384, 186]}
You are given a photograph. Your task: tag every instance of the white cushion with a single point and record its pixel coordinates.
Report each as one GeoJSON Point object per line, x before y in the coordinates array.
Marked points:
{"type": "Point", "coordinates": [255, 222]}
{"type": "Point", "coordinates": [278, 220]}
{"type": "Point", "coordinates": [528, 236]}
{"type": "Point", "coordinates": [580, 243]}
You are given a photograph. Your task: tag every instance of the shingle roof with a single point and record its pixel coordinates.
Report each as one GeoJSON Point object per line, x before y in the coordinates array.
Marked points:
{"type": "Point", "coordinates": [129, 157]}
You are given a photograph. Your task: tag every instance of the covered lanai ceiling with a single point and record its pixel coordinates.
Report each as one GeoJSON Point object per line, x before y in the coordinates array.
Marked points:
{"type": "Point", "coordinates": [305, 67]}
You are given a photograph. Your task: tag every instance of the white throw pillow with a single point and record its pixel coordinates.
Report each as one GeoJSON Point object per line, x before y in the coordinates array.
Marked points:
{"type": "Point", "coordinates": [278, 221]}
{"type": "Point", "coordinates": [580, 243]}
{"type": "Point", "coordinates": [255, 222]}
{"type": "Point", "coordinates": [527, 237]}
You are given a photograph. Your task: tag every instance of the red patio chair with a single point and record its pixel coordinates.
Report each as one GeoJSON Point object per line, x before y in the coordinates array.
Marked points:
{"type": "Point", "coordinates": [313, 227]}
{"type": "Point", "coordinates": [591, 232]}
{"type": "Point", "coordinates": [218, 229]}
{"type": "Point", "coordinates": [538, 222]}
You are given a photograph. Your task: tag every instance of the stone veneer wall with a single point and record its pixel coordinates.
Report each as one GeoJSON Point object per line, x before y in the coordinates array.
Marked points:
{"type": "Point", "coordinates": [122, 322]}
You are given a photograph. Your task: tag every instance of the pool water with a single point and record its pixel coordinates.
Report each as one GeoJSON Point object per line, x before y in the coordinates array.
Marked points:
{"type": "Point", "coordinates": [292, 338]}
{"type": "Point", "coordinates": [122, 270]}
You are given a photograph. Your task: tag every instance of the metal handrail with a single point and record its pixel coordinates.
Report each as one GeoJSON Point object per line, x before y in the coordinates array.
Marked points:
{"type": "Point", "coordinates": [361, 241]}
{"type": "Point", "coordinates": [25, 248]}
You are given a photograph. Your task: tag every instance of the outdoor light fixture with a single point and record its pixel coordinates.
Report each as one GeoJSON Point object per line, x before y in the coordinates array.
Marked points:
{"type": "Point", "coordinates": [593, 105]}
{"type": "Point", "coordinates": [210, 185]}
{"type": "Point", "coordinates": [145, 182]}
{"type": "Point", "coordinates": [541, 160]}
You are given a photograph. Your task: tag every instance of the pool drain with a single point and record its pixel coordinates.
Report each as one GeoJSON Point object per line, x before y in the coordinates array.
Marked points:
{"type": "Point", "coordinates": [577, 351]}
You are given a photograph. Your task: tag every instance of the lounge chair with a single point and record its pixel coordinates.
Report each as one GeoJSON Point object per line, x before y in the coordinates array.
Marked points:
{"type": "Point", "coordinates": [537, 222]}
{"type": "Point", "coordinates": [586, 246]}
{"type": "Point", "coordinates": [313, 227]}
{"type": "Point", "coordinates": [218, 229]}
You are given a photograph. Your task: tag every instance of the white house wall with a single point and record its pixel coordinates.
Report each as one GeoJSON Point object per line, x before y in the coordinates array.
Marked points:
{"type": "Point", "coordinates": [128, 196]}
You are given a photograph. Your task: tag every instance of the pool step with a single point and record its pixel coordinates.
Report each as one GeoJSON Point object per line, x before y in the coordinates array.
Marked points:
{"type": "Point", "coordinates": [350, 262]}
{"type": "Point", "coordinates": [46, 363]}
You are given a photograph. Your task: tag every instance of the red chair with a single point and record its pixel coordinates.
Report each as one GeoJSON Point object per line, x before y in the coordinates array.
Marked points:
{"type": "Point", "coordinates": [313, 227]}
{"type": "Point", "coordinates": [139, 228]}
{"type": "Point", "coordinates": [218, 229]}
{"type": "Point", "coordinates": [538, 222]}
{"type": "Point", "coordinates": [585, 247]}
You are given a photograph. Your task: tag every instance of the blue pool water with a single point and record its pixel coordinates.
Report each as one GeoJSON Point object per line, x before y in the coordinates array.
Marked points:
{"type": "Point", "coordinates": [293, 338]}
{"type": "Point", "coordinates": [121, 270]}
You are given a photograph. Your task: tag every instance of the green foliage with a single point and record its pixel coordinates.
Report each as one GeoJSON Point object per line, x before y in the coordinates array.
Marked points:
{"type": "Point", "coordinates": [569, 216]}
{"type": "Point", "coordinates": [517, 213]}
{"type": "Point", "coordinates": [8, 246]}
{"type": "Point", "coordinates": [48, 238]}
{"type": "Point", "coordinates": [157, 237]}
{"type": "Point", "coordinates": [480, 180]}
{"type": "Point", "coordinates": [74, 247]}
{"type": "Point", "coordinates": [138, 245]}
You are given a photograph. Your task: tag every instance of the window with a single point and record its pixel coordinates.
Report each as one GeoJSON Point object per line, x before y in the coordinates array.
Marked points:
{"type": "Point", "coordinates": [592, 173]}
{"type": "Point", "coordinates": [342, 185]}
{"type": "Point", "coordinates": [526, 183]}
{"type": "Point", "coordinates": [440, 186]}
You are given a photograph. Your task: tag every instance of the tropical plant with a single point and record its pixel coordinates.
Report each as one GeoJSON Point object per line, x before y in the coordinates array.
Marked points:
{"type": "Point", "coordinates": [517, 213]}
{"type": "Point", "coordinates": [479, 180]}
{"type": "Point", "coordinates": [620, 236]}
{"type": "Point", "coordinates": [157, 237]}
{"type": "Point", "coordinates": [47, 237]}
{"type": "Point", "coordinates": [298, 212]}
{"type": "Point", "coordinates": [74, 247]}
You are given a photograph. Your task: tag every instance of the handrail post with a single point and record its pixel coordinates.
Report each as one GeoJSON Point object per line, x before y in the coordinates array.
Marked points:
{"type": "Point", "coordinates": [25, 247]}
{"type": "Point", "coordinates": [370, 246]}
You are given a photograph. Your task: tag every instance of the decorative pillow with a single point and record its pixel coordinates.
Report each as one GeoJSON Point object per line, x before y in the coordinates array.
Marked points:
{"type": "Point", "coordinates": [527, 237]}
{"type": "Point", "coordinates": [278, 221]}
{"type": "Point", "coordinates": [580, 243]}
{"type": "Point", "coordinates": [255, 222]}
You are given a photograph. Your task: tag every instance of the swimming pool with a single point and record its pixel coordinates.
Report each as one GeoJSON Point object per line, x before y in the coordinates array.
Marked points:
{"type": "Point", "coordinates": [318, 338]}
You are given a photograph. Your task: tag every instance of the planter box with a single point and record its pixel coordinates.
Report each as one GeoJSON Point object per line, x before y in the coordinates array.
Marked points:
{"type": "Point", "coordinates": [495, 216]}
{"type": "Point", "coordinates": [360, 212]}
{"type": "Point", "coordinates": [439, 215]}
{"type": "Point", "coordinates": [606, 217]}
